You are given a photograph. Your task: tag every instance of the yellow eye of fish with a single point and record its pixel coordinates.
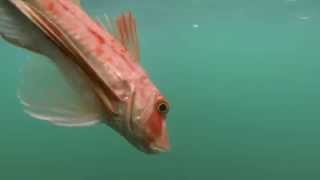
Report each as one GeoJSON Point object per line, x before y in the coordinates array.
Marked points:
{"type": "Point", "coordinates": [163, 107]}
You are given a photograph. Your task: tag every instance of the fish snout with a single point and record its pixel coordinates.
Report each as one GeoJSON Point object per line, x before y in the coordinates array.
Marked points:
{"type": "Point", "coordinates": [161, 144]}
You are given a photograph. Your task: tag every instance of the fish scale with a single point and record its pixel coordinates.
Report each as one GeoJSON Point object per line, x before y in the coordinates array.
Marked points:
{"type": "Point", "coordinates": [90, 48]}
{"type": "Point", "coordinates": [110, 69]}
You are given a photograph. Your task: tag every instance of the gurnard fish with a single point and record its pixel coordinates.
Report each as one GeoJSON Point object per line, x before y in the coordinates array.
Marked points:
{"type": "Point", "coordinates": [85, 71]}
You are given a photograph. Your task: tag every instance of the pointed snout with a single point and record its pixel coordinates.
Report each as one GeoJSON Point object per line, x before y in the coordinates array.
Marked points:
{"type": "Point", "coordinates": [161, 144]}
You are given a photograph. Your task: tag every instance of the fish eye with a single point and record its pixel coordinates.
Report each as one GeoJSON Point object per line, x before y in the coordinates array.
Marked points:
{"type": "Point", "coordinates": [163, 107]}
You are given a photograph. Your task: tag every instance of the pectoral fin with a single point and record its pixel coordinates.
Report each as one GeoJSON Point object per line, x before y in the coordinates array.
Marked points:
{"type": "Point", "coordinates": [47, 94]}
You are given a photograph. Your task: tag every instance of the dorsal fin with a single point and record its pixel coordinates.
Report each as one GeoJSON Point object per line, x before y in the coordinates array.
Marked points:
{"type": "Point", "coordinates": [128, 35]}
{"type": "Point", "coordinates": [124, 28]}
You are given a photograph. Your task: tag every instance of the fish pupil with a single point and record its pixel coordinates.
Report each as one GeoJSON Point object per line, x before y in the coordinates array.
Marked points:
{"type": "Point", "coordinates": [163, 108]}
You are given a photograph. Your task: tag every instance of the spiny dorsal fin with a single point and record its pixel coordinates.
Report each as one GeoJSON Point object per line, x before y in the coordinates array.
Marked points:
{"type": "Point", "coordinates": [127, 34]}
{"type": "Point", "coordinates": [124, 28]}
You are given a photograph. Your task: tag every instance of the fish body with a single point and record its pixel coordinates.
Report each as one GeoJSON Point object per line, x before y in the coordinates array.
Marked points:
{"type": "Point", "coordinates": [108, 61]}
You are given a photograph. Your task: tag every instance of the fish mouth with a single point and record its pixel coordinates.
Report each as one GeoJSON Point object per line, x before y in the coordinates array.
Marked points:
{"type": "Point", "coordinates": [159, 149]}
{"type": "Point", "coordinates": [161, 144]}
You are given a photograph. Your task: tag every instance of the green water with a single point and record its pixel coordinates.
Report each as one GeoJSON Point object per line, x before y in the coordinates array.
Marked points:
{"type": "Point", "coordinates": [243, 80]}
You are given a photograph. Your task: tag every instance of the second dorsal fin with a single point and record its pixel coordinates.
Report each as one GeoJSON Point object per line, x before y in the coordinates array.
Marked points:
{"type": "Point", "coordinates": [124, 28]}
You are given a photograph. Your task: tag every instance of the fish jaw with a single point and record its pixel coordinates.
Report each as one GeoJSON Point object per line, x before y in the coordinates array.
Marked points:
{"type": "Point", "coordinates": [157, 132]}
{"type": "Point", "coordinates": [146, 142]}
{"type": "Point", "coordinates": [161, 142]}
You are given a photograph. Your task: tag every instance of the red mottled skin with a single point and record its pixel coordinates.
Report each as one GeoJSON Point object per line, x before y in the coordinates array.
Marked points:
{"type": "Point", "coordinates": [129, 96]}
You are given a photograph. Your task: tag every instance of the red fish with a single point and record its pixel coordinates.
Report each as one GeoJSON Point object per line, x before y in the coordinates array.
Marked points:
{"type": "Point", "coordinates": [99, 63]}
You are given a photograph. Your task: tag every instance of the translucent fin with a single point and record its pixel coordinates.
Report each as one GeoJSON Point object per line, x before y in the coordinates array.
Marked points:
{"type": "Point", "coordinates": [125, 29]}
{"type": "Point", "coordinates": [46, 94]}
{"type": "Point", "coordinates": [19, 30]}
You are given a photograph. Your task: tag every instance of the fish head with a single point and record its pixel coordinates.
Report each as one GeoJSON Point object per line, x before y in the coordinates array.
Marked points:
{"type": "Point", "coordinates": [148, 130]}
{"type": "Point", "coordinates": [155, 126]}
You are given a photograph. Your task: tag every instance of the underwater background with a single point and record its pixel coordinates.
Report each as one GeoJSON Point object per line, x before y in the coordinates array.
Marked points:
{"type": "Point", "coordinates": [242, 77]}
